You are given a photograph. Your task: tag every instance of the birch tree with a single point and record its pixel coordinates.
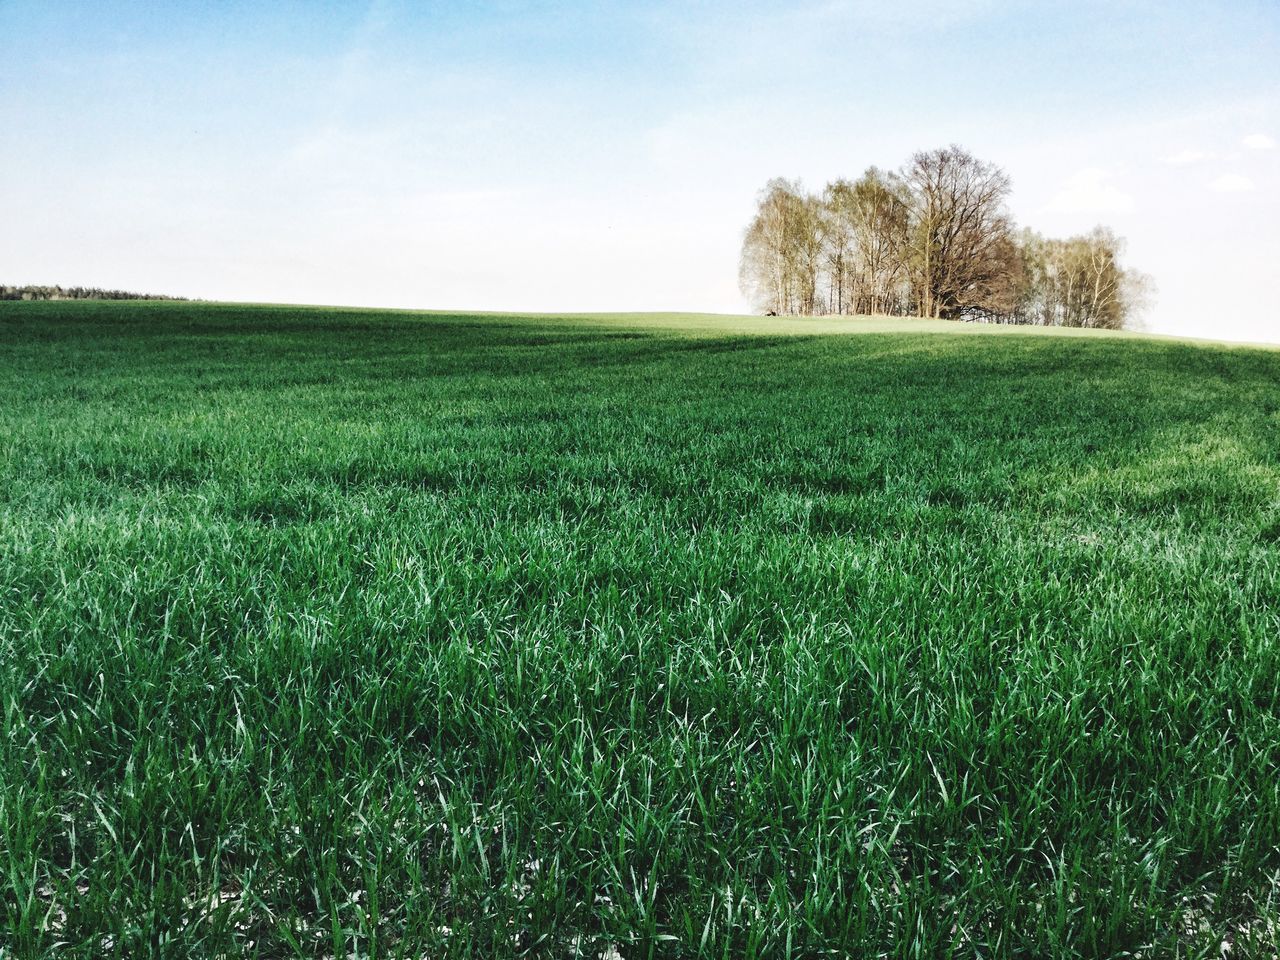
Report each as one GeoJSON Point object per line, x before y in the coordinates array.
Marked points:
{"type": "Point", "coordinates": [774, 272]}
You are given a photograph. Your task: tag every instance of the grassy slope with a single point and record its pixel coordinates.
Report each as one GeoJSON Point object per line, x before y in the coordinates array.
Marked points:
{"type": "Point", "coordinates": [338, 631]}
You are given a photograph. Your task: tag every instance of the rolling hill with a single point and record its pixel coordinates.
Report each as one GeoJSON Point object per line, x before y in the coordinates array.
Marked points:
{"type": "Point", "coordinates": [331, 632]}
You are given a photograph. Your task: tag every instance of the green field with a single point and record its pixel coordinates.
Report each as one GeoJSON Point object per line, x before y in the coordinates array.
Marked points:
{"type": "Point", "coordinates": [338, 633]}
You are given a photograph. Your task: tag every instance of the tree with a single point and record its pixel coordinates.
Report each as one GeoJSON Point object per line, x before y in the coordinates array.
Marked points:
{"type": "Point", "coordinates": [782, 251]}
{"type": "Point", "coordinates": [881, 229]}
{"type": "Point", "coordinates": [839, 245]}
{"type": "Point", "coordinates": [1101, 300]}
{"type": "Point", "coordinates": [961, 242]}
{"type": "Point", "coordinates": [808, 243]}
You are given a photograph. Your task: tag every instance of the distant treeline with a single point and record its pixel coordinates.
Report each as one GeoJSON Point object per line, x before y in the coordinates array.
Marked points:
{"type": "Point", "coordinates": [75, 293]}
{"type": "Point", "coordinates": [931, 240]}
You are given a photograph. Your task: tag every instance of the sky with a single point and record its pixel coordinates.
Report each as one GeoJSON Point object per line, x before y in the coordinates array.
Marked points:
{"type": "Point", "coordinates": [579, 156]}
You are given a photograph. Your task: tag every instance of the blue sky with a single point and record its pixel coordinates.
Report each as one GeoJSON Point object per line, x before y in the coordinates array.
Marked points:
{"type": "Point", "coordinates": [578, 156]}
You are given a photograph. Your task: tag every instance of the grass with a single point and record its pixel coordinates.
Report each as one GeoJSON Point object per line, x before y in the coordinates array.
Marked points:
{"type": "Point", "coordinates": [335, 633]}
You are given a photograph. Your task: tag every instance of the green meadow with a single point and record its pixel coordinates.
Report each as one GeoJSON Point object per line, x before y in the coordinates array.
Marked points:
{"type": "Point", "coordinates": [347, 633]}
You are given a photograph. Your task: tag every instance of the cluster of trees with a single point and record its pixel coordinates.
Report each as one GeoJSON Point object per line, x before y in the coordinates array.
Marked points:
{"type": "Point", "coordinates": [74, 293]}
{"type": "Point", "coordinates": [932, 240]}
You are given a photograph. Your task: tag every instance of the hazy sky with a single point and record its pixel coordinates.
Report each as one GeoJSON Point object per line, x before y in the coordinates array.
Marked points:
{"type": "Point", "coordinates": [596, 155]}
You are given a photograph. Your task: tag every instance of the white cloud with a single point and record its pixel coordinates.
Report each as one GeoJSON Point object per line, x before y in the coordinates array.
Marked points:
{"type": "Point", "coordinates": [1183, 157]}
{"type": "Point", "coordinates": [1089, 192]}
{"type": "Point", "coordinates": [1231, 183]}
{"type": "Point", "coordinates": [1259, 141]}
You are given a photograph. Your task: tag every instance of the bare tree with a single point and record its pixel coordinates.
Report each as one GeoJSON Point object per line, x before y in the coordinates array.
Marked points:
{"type": "Point", "coordinates": [961, 239]}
